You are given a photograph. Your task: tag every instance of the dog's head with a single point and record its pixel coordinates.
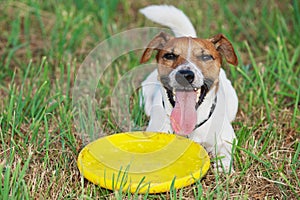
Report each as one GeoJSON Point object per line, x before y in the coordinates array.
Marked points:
{"type": "Point", "coordinates": [188, 68]}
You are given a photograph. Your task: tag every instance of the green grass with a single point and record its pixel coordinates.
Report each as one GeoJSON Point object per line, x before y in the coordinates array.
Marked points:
{"type": "Point", "coordinates": [42, 45]}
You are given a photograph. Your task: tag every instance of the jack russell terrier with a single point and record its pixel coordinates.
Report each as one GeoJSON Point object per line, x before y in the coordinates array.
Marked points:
{"type": "Point", "coordinates": [189, 94]}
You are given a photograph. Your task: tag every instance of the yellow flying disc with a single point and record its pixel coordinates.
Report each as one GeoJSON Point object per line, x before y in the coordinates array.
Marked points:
{"type": "Point", "coordinates": [143, 162]}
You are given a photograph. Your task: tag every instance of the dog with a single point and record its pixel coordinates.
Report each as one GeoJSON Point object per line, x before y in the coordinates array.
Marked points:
{"type": "Point", "coordinates": [189, 94]}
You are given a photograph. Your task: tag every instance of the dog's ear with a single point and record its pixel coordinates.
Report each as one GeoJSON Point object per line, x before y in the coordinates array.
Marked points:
{"type": "Point", "coordinates": [157, 43]}
{"type": "Point", "coordinates": [225, 48]}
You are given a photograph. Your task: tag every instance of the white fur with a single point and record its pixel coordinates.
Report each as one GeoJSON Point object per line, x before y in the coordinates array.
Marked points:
{"type": "Point", "coordinates": [171, 17]}
{"type": "Point", "coordinates": [217, 134]}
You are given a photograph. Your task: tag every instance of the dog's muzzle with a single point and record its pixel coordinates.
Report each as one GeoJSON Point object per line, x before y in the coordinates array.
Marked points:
{"type": "Point", "coordinates": [185, 78]}
{"type": "Point", "coordinates": [185, 81]}
{"type": "Point", "coordinates": [186, 90]}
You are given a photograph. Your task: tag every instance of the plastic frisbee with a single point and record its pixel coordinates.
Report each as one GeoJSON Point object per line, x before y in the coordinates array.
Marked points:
{"type": "Point", "coordinates": [143, 162]}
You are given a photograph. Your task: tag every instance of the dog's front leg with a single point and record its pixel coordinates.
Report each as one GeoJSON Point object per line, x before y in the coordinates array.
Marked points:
{"type": "Point", "coordinates": [223, 149]}
{"type": "Point", "coordinates": [218, 141]}
{"type": "Point", "coordinates": [159, 121]}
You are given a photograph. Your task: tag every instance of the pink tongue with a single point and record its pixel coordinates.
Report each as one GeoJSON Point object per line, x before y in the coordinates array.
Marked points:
{"type": "Point", "coordinates": [184, 116]}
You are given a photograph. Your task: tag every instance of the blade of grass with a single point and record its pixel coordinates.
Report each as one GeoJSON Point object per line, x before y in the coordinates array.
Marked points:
{"type": "Point", "coordinates": [296, 108]}
{"type": "Point", "coordinates": [173, 189]}
{"type": "Point", "coordinates": [260, 82]}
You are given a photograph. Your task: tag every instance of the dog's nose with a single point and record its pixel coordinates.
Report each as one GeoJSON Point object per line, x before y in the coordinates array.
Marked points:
{"type": "Point", "coordinates": [185, 77]}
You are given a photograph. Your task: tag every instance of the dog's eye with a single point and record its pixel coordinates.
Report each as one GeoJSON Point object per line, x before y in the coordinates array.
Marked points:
{"type": "Point", "coordinates": [170, 56]}
{"type": "Point", "coordinates": [205, 57]}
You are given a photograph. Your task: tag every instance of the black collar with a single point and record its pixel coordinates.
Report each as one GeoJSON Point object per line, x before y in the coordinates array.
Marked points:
{"type": "Point", "coordinates": [212, 108]}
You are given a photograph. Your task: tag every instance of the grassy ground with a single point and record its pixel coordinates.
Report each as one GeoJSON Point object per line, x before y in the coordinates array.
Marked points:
{"type": "Point", "coordinates": [43, 44]}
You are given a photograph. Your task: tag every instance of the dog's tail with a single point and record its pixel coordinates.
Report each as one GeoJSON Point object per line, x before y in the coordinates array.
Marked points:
{"type": "Point", "coordinates": [171, 17]}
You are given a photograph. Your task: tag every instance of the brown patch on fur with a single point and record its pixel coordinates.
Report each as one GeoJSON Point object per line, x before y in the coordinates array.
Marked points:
{"type": "Point", "coordinates": [224, 47]}
{"type": "Point", "coordinates": [156, 43]}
